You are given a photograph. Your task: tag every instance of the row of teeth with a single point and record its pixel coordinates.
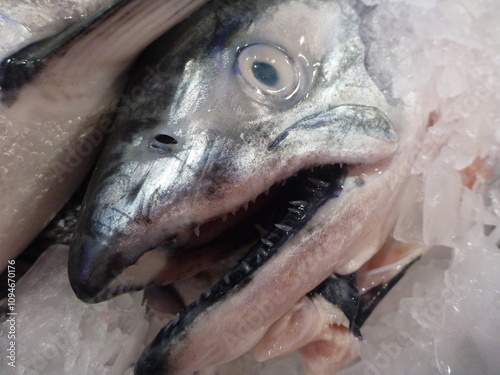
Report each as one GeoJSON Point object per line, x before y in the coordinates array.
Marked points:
{"type": "Point", "coordinates": [297, 208]}
{"type": "Point", "coordinates": [318, 184]}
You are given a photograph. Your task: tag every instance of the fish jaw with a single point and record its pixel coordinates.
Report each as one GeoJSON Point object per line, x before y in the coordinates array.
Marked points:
{"type": "Point", "coordinates": [230, 147]}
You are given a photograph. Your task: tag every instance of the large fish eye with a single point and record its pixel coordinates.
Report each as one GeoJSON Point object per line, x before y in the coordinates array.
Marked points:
{"type": "Point", "coordinates": [268, 70]}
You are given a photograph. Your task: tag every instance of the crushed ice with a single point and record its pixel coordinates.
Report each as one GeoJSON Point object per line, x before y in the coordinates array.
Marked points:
{"type": "Point", "coordinates": [58, 334]}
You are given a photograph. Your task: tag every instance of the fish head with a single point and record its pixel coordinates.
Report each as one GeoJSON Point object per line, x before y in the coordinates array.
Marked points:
{"type": "Point", "coordinates": [240, 99]}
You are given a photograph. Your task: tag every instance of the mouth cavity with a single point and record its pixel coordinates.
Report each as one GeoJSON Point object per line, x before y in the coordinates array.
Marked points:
{"type": "Point", "coordinates": [267, 225]}
{"type": "Point", "coordinates": [260, 217]}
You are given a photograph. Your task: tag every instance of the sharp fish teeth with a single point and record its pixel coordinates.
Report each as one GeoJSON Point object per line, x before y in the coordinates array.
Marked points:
{"type": "Point", "coordinates": [197, 231]}
{"type": "Point", "coordinates": [246, 266]}
{"type": "Point", "coordinates": [320, 183]}
{"type": "Point", "coordinates": [299, 203]}
{"type": "Point", "coordinates": [284, 228]}
{"type": "Point", "coordinates": [224, 218]}
{"type": "Point", "coordinates": [266, 242]}
{"type": "Point", "coordinates": [263, 253]}
{"type": "Point", "coordinates": [176, 319]}
{"type": "Point", "coordinates": [267, 192]}
{"type": "Point", "coordinates": [295, 211]}
{"type": "Point", "coordinates": [246, 207]}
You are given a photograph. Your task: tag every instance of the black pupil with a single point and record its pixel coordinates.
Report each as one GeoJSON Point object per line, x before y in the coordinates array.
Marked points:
{"type": "Point", "coordinates": [265, 73]}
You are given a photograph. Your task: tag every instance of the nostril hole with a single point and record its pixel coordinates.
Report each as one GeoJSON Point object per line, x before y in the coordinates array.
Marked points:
{"type": "Point", "coordinates": [166, 139]}
{"type": "Point", "coordinates": [160, 143]}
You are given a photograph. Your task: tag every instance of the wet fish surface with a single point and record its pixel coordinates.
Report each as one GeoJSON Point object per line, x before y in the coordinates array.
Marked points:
{"type": "Point", "coordinates": [256, 134]}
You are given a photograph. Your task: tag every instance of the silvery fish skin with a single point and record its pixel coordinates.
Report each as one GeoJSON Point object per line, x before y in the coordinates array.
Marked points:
{"type": "Point", "coordinates": [242, 96]}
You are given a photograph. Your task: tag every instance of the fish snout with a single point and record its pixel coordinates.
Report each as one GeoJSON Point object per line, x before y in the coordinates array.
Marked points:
{"type": "Point", "coordinates": [81, 268]}
{"type": "Point", "coordinates": [93, 267]}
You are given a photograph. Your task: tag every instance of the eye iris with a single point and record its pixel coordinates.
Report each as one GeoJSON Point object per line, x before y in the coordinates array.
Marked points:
{"type": "Point", "coordinates": [265, 73]}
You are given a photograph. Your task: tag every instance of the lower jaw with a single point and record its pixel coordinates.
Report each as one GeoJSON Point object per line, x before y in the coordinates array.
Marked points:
{"type": "Point", "coordinates": [314, 189]}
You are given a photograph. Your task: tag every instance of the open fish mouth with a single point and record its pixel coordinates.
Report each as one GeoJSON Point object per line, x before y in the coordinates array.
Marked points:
{"type": "Point", "coordinates": [290, 205]}
{"type": "Point", "coordinates": [272, 220]}
{"type": "Point", "coordinates": [268, 213]}
{"type": "Point", "coordinates": [277, 214]}
{"type": "Point", "coordinates": [249, 235]}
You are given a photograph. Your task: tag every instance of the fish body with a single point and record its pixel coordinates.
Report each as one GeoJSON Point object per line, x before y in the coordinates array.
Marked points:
{"type": "Point", "coordinates": [237, 100]}
{"type": "Point", "coordinates": [24, 22]}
